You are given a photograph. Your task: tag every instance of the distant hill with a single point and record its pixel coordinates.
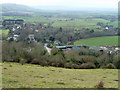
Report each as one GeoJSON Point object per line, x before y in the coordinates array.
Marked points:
{"type": "Point", "coordinates": [10, 9]}
{"type": "Point", "coordinates": [15, 8]}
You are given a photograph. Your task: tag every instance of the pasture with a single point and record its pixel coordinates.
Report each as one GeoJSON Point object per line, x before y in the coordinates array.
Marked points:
{"type": "Point", "coordinates": [15, 75]}
{"type": "Point", "coordinates": [79, 23]}
{"type": "Point", "coordinates": [99, 41]}
{"type": "Point", "coordinates": [4, 32]}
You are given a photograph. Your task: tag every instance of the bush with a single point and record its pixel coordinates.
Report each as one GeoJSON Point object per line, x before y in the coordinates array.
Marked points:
{"type": "Point", "coordinates": [57, 60]}
{"type": "Point", "coordinates": [116, 61]}
{"type": "Point", "coordinates": [100, 85]}
{"type": "Point", "coordinates": [103, 60]}
{"type": "Point", "coordinates": [110, 66]}
{"type": "Point", "coordinates": [35, 53]}
{"type": "Point", "coordinates": [88, 65]}
{"type": "Point", "coordinates": [68, 65]}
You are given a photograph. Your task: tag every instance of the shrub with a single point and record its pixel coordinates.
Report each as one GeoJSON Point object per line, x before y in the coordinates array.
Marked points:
{"type": "Point", "coordinates": [75, 66]}
{"type": "Point", "coordinates": [103, 60]}
{"type": "Point", "coordinates": [110, 66]}
{"type": "Point", "coordinates": [88, 65]}
{"type": "Point", "coordinates": [87, 58]}
{"type": "Point", "coordinates": [100, 85]}
{"type": "Point", "coordinates": [23, 61]}
{"type": "Point", "coordinates": [116, 62]}
{"type": "Point", "coordinates": [57, 60]}
{"type": "Point", "coordinates": [68, 65]}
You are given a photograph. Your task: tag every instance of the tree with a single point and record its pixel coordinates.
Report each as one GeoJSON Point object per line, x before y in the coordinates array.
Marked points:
{"type": "Point", "coordinates": [60, 29]}
{"type": "Point", "coordinates": [92, 31]}
{"type": "Point", "coordinates": [51, 38]}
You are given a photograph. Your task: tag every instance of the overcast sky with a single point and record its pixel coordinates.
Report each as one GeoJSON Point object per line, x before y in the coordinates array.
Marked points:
{"type": "Point", "coordinates": [68, 3]}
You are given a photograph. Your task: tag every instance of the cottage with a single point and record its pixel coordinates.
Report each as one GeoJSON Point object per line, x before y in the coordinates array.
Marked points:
{"type": "Point", "coordinates": [18, 27]}
{"type": "Point", "coordinates": [13, 29]}
{"type": "Point", "coordinates": [36, 30]}
{"type": "Point", "coordinates": [16, 37]}
{"type": "Point", "coordinates": [106, 28]}
{"type": "Point", "coordinates": [57, 42]}
{"type": "Point", "coordinates": [31, 37]}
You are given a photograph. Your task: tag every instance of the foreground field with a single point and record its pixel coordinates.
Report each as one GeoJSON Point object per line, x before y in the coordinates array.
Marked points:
{"type": "Point", "coordinates": [35, 76]}
{"type": "Point", "coordinates": [99, 41]}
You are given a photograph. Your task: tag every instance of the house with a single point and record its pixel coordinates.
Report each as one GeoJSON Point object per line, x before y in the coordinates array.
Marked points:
{"type": "Point", "coordinates": [36, 30]}
{"type": "Point", "coordinates": [13, 29]}
{"type": "Point", "coordinates": [18, 27]}
{"type": "Point", "coordinates": [106, 28]}
{"type": "Point", "coordinates": [57, 42]}
{"type": "Point", "coordinates": [116, 49]}
{"type": "Point", "coordinates": [16, 37]}
{"type": "Point", "coordinates": [31, 37]}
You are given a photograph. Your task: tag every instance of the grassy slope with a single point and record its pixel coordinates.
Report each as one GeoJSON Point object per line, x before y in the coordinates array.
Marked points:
{"type": "Point", "coordinates": [99, 41]}
{"type": "Point", "coordinates": [35, 76]}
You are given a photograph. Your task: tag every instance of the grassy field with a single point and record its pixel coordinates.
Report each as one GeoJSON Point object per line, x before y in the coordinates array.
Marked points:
{"type": "Point", "coordinates": [99, 41]}
{"type": "Point", "coordinates": [34, 76]}
{"type": "Point", "coordinates": [4, 32]}
{"type": "Point", "coordinates": [79, 23]}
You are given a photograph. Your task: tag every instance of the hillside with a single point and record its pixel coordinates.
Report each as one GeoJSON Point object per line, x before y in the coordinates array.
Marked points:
{"type": "Point", "coordinates": [15, 8]}
{"type": "Point", "coordinates": [34, 76]}
{"type": "Point", "coordinates": [99, 41]}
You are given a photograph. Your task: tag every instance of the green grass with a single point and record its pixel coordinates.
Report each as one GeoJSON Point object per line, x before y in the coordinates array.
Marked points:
{"type": "Point", "coordinates": [15, 75]}
{"type": "Point", "coordinates": [79, 23]}
{"type": "Point", "coordinates": [115, 23]}
{"type": "Point", "coordinates": [99, 41]}
{"type": "Point", "coordinates": [4, 32]}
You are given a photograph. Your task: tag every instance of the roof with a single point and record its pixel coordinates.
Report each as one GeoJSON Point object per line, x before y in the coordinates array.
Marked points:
{"type": "Point", "coordinates": [96, 48]}
{"type": "Point", "coordinates": [61, 47]}
{"type": "Point", "coordinates": [16, 35]}
{"type": "Point", "coordinates": [75, 47]}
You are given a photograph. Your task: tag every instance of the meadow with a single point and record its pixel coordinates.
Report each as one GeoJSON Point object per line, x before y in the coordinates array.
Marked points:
{"type": "Point", "coordinates": [77, 23]}
{"type": "Point", "coordinates": [4, 32]}
{"type": "Point", "coordinates": [99, 41]}
{"type": "Point", "coordinates": [15, 75]}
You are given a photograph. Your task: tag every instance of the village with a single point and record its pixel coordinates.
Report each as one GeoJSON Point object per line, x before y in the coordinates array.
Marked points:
{"type": "Point", "coordinates": [59, 44]}
{"type": "Point", "coordinates": [15, 26]}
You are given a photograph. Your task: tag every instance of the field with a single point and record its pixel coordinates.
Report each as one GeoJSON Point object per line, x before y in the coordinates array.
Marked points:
{"type": "Point", "coordinates": [4, 32]}
{"type": "Point", "coordinates": [78, 23]}
{"type": "Point", "coordinates": [15, 75]}
{"type": "Point", "coordinates": [99, 41]}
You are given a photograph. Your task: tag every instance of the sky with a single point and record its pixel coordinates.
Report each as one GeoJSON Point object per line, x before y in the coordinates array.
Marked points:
{"type": "Point", "coordinates": [67, 3]}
